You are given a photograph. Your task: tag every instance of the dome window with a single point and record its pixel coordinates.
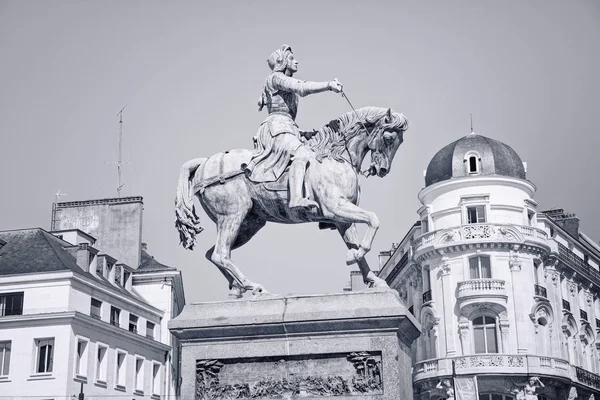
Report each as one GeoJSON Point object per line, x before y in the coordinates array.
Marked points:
{"type": "Point", "coordinates": [473, 165]}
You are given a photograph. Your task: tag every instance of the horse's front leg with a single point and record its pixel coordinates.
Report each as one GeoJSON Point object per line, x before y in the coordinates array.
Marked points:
{"type": "Point", "coordinates": [350, 236]}
{"type": "Point", "coordinates": [346, 211]}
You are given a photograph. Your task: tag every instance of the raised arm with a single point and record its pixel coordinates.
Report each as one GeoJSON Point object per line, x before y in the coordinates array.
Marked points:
{"type": "Point", "coordinates": [303, 88]}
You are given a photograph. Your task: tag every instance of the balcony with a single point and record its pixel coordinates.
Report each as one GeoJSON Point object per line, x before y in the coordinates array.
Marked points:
{"type": "Point", "coordinates": [427, 296]}
{"type": "Point", "coordinates": [583, 315]}
{"type": "Point", "coordinates": [480, 233]}
{"type": "Point", "coordinates": [587, 378]}
{"type": "Point", "coordinates": [540, 291]}
{"type": "Point", "coordinates": [474, 291]}
{"type": "Point", "coordinates": [577, 264]}
{"type": "Point", "coordinates": [508, 364]}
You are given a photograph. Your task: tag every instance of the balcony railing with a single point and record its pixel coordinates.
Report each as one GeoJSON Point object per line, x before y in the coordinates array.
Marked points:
{"type": "Point", "coordinates": [481, 286]}
{"type": "Point", "coordinates": [540, 291]}
{"type": "Point", "coordinates": [577, 264]}
{"type": "Point", "coordinates": [583, 315]}
{"type": "Point", "coordinates": [427, 296]}
{"type": "Point", "coordinates": [566, 305]}
{"type": "Point", "coordinates": [587, 378]}
{"type": "Point", "coordinates": [480, 232]}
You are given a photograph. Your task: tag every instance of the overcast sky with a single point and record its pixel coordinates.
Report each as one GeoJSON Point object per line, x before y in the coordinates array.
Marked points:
{"type": "Point", "coordinates": [190, 73]}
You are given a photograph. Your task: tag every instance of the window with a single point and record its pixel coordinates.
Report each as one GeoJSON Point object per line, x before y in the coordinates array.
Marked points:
{"type": "Point", "coordinates": [100, 267]}
{"type": "Point", "coordinates": [476, 215]}
{"type": "Point", "coordinates": [491, 396]}
{"type": "Point", "coordinates": [149, 330]}
{"type": "Point", "coordinates": [96, 309]}
{"type": "Point", "coordinates": [126, 276]}
{"type": "Point", "coordinates": [81, 358]}
{"type": "Point", "coordinates": [120, 375]}
{"type": "Point", "coordinates": [424, 225]}
{"type": "Point", "coordinates": [479, 267]}
{"type": "Point", "coordinates": [118, 275]}
{"type": "Point", "coordinates": [156, 378]}
{"type": "Point", "coordinates": [115, 314]}
{"type": "Point", "coordinates": [473, 165]}
{"type": "Point", "coordinates": [44, 355]}
{"type": "Point", "coordinates": [139, 374]}
{"type": "Point", "coordinates": [101, 362]}
{"type": "Point", "coordinates": [133, 323]}
{"type": "Point", "coordinates": [484, 335]}
{"type": "Point", "coordinates": [4, 358]}
{"type": "Point", "coordinates": [11, 304]}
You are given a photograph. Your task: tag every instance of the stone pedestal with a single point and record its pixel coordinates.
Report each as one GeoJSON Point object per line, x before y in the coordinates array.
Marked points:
{"type": "Point", "coordinates": [349, 345]}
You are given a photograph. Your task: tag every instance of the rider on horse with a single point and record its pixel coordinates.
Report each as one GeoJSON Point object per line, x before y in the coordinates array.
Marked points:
{"type": "Point", "coordinates": [277, 140]}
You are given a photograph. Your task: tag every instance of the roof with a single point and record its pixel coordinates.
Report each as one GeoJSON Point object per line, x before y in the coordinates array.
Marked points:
{"type": "Point", "coordinates": [149, 264]}
{"type": "Point", "coordinates": [33, 251]}
{"type": "Point", "coordinates": [496, 158]}
{"type": "Point", "coordinates": [30, 251]}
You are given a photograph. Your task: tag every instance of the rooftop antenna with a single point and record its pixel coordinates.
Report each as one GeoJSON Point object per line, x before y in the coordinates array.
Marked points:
{"type": "Point", "coordinates": [120, 162]}
{"type": "Point", "coordinates": [471, 122]}
{"type": "Point", "coordinates": [58, 195]}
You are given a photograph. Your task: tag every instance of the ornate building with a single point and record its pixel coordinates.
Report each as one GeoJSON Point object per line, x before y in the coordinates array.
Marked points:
{"type": "Point", "coordinates": [74, 315]}
{"type": "Point", "coordinates": [502, 290]}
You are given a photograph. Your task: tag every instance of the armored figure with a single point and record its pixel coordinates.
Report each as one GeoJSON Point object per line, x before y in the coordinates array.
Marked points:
{"type": "Point", "coordinates": [278, 139]}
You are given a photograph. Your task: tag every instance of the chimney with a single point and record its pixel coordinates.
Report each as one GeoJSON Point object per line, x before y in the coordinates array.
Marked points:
{"type": "Point", "coordinates": [83, 256]}
{"type": "Point", "coordinates": [384, 256]}
{"type": "Point", "coordinates": [569, 223]}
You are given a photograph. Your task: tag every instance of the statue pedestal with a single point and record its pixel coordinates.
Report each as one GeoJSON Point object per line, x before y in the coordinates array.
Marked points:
{"type": "Point", "coordinates": [345, 345]}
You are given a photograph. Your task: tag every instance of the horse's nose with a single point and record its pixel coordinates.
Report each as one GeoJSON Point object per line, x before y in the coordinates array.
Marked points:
{"type": "Point", "coordinates": [383, 172]}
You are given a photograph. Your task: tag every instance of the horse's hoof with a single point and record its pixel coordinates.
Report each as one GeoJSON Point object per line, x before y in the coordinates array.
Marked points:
{"type": "Point", "coordinates": [259, 290]}
{"type": "Point", "coordinates": [236, 292]}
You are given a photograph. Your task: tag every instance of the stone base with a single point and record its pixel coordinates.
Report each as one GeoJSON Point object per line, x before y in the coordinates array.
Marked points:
{"type": "Point", "coordinates": [348, 345]}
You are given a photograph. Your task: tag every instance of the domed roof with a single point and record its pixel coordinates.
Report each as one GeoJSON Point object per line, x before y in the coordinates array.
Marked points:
{"type": "Point", "coordinates": [491, 158]}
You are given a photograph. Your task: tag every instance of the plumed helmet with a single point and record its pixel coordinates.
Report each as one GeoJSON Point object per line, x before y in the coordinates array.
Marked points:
{"type": "Point", "coordinates": [277, 59]}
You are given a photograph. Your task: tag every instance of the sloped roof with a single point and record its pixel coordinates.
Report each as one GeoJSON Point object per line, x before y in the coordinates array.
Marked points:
{"type": "Point", "coordinates": [149, 264]}
{"type": "Point", "coordinates": [30, 251]}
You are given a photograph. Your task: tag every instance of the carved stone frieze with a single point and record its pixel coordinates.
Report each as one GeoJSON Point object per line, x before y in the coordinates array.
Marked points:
{"type": "Point", "coordinates": [354, 374]}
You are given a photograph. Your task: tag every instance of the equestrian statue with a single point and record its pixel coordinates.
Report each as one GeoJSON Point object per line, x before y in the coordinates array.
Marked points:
{"type": "Point", "coordinates": [291, 176]}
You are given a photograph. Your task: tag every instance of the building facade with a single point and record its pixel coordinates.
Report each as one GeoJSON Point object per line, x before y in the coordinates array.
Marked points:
{"type": "Point", "coordinates": [503, 291]}
{"type": "Point", "coordinates": [72, 316]}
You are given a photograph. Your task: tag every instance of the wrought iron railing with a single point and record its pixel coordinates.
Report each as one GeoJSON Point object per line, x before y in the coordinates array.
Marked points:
{"type": "Point", "coordinates": [587, 378]}
{"type": "Point", "coordinates": [577, 264]}
{"type": "Point", "coordinates": [540, 291]}
{"type": "Point", "coordinates": [427, 296]}
{"type": "Point", "coordinates": [566, 305]}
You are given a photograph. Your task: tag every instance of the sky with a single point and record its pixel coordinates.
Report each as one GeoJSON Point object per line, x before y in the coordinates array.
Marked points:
{"type": "Point", "coordinates": [190, 73]}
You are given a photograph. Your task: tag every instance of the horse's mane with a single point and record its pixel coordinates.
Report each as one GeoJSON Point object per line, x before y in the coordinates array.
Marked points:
{"type": "Point", "coordinates": [330, 141]}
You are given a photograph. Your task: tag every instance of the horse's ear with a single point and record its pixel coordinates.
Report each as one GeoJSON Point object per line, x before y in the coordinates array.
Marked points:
{"type": "Point", "coordinates": [389, 115]}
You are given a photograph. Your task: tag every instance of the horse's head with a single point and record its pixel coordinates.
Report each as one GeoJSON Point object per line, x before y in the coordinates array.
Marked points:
{"type": "Point", "coordinates": [386, 135]}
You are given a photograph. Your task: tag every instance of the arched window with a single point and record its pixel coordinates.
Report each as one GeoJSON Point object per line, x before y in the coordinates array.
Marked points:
{"type": "Point", "coordinates": [480, 268]}
{"type": "Point", "coordinates": [473, 165]}
{"type": "Point", "coordinates": [484, 335]}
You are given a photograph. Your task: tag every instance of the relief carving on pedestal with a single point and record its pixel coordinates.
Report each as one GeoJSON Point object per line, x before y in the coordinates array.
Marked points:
{"type": "Point", "coordinates": [354, 374]}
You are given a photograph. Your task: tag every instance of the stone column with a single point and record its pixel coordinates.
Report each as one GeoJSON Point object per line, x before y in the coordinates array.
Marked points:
{"type": "Point", "coordinates": [517, 287]}
{"type": "Point", "coordinates": [448, 307]}
{"type": "Point", "coordinates": [552, 281]}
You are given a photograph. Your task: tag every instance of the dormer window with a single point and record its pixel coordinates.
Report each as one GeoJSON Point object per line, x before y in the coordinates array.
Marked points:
{"type": "Point", "coordinates": [472, 162]}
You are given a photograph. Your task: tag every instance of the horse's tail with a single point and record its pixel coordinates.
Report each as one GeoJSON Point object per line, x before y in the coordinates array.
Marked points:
{"type": "Point", "coordinates": [186, 221]}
